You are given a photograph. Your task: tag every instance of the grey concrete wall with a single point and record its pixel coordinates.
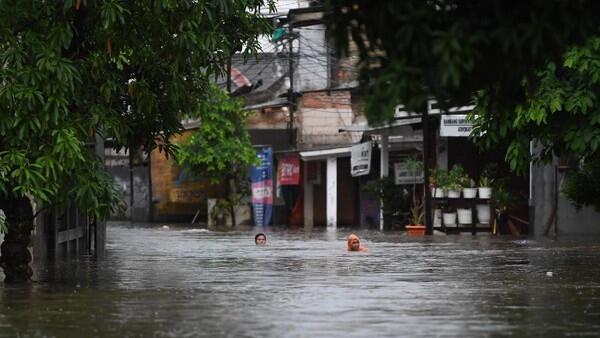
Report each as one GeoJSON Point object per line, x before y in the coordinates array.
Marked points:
{"type": "Point", "coordinates": [569, 221]}
{"type": "Point", "coordinates": [542, 200]}
{"type": "Point", "coordinates": [141, 198]}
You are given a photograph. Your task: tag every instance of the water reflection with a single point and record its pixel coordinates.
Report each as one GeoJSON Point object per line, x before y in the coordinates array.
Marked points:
{"type": "Point", "coordinates": [178, 282]}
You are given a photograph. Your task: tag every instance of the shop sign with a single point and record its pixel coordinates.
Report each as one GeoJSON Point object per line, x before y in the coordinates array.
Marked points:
{"type": "Point", "coordinates": [455, 126]}
{"type": "Point", "coordinates": [288, 171]}
{"type": "Point", "coordinates": [360, 160]}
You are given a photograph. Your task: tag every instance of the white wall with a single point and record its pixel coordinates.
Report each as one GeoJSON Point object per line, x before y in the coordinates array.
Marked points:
{"type": "Point", "coordinates": [312, 70]}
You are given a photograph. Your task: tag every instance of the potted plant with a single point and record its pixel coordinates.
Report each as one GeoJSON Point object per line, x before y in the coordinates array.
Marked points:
{"type": "Point", "coordinates": [485, 186]}
{"type": "Point", "coordinates": [438, 179]}
{"type": "Point", "coordinates": [452, 189]}
{"type": "Point", "coordinates": [469, 190]}
{"type": "Point", "coordinates": [449, 217]}
{"type": "Point", "coordinates": [455, 181]}
{"type": "Point", "coordinates": [417, 215]}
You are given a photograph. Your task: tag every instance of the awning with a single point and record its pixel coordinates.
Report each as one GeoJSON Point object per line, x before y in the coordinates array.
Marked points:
{"type": "Point", "coordinates": [322, 154]}
{"type": "Point", "coordinates": [395, 127]}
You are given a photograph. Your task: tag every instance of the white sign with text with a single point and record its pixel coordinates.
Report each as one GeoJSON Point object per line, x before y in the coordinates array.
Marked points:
{"type": "Point", "coordinates": [455, 126]}
{"type": "Point", "coordinates": [403, 176]}
{"type": "Point", "coordinates": [360, 160]}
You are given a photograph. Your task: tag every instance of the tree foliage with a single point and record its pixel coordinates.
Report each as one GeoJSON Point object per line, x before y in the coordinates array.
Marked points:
{"type": "Point", "coordinates": [494, 50]}
{"type": "Point", "coordinates": [412, 50]}
{"type": "Point", "coordinates": [220, 147]}
{"type": "Point", "coordinates": [126, 70]}
{"type": "Point", "coordinates": [562, 115]}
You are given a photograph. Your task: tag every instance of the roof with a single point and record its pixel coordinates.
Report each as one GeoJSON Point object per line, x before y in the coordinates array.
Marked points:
{"type": "Point", "coordinates": [390, 128]}
{"type": "Point", "coordinates": [259, 79]}
{"type": "Point", "coordinates": [322, 153]}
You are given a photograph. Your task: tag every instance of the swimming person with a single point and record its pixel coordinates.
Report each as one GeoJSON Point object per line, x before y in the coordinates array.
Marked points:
{"type": "Point", "coordinates": [354, 244]}
{"type": "Point", "coordinates": [260, 239]}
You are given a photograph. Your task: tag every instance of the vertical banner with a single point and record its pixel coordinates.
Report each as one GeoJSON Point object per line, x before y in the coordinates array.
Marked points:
{"type": "Point", "coordinates": [360, 160]}
{"type": "Point", "coordinates": [262, 187]}
{"type": "Point", "coordinates": [288, 171]}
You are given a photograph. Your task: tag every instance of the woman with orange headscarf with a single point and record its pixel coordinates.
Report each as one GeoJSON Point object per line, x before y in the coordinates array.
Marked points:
{"type": "Point", "coordinates": [354, 244]}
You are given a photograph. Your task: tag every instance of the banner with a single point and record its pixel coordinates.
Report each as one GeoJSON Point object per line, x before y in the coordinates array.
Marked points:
{"type": "Point", "coordinates": [262, 187]}
{"type": "Point", "coordinates": [288, 172]}
{"type": "Point", "coordinates": [360, 160]}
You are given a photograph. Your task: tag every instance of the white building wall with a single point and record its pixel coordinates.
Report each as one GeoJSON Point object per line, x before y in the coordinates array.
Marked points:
{"type": "Point", "coordinates": [321, 126]}
{"type": "Point", "coordinates": [312, 70]}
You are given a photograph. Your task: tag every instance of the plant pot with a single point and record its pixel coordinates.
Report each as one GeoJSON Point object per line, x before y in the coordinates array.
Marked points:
{"type": "Point", "coordinates": [437, 217]}
{"type": "Point", "coordinates": [485, 192]}
{"type": "Point", "coordinates": [453, 194]}
{"type": "Point", "coordinates": [469, 192]}
{"type": "Point", "coordinates": [483, 213]}
{"type": "Point", "coordinates": [449, 219]}
{"type": "Point", "coordinates": [438, 193]}
{"type": "Point", "coordinates": [415, 230]}
{"type": "Point", "coordinates": [465, 216]}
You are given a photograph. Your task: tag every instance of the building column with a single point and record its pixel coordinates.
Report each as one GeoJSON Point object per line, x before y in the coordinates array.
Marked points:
{"type": "Point", "coordinates": [384, 171]}
{"type": "Point", "coordinates": [309, 219]}
{"type": "Point", "coordinates": [332, 192]}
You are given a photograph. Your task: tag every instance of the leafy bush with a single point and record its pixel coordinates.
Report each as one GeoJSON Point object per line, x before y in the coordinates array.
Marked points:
{"type": "Point", "coordinates": [582, 186]}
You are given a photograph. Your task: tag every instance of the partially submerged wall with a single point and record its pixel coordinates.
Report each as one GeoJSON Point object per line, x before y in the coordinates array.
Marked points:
{"type": "Point", "coordinates": [548, 200]}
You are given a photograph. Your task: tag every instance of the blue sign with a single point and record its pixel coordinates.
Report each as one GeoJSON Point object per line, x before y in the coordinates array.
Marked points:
{"type": "Point", "coordinates": [262, 187]}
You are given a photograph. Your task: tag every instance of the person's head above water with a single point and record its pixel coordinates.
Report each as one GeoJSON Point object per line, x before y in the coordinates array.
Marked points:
{"type": "Point", "coordinates": [354, 243]}
{"type": "Point", "coordinates": [260, 239]}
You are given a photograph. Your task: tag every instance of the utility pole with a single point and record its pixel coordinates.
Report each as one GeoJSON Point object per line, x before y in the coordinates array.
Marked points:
{"type": "Point", "coordinates": [426, 145]}
{"type": "Point", "coordinates": [231, 191]}
{"type": "Point", "coordinates": [149, 159]}
{"type": "Point", "coordinates": [291, 95]}
{"type": "Point", "coordinates": [131, 183]}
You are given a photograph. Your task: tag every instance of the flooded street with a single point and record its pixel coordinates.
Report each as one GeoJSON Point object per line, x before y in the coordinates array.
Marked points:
{"type": "Point", "coordinates": [182, 282]}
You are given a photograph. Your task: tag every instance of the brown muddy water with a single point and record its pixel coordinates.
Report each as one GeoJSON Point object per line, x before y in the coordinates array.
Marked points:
{"type": "Point", "coordinates": [184, 282]}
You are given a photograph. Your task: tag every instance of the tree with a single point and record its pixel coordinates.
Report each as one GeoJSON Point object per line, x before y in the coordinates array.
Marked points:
{"type": "Point", "coordinates": [413, 50]}
{"type": "Point", "coordinates": [220, 148]}
{"type": "Point", "coordinates": [562, 115]}
{"type": "Point", "coordinates": [125, 70]}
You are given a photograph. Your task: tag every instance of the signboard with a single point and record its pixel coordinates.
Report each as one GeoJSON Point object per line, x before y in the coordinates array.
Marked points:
{"type": "Point", "coordinates": [262, 187]}
{"type": "Point", "coordinates": [404, 176]}
{"type": "Point", "coordinates": [455, 126]}
{"type": "Point", "coordinates": [360, 160]}
{"type": "Point", "coordinates": [288, 171]}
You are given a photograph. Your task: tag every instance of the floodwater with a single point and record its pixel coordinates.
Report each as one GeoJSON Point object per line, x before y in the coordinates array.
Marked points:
{"type": "Point", "coordinates": [182, 282]}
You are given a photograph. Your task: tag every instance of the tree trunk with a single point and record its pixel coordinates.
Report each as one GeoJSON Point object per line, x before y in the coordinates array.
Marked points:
{"type": "Point", "coordinates": [14, 254]}
{"type": "Point", "coordinates": [232, 198]}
